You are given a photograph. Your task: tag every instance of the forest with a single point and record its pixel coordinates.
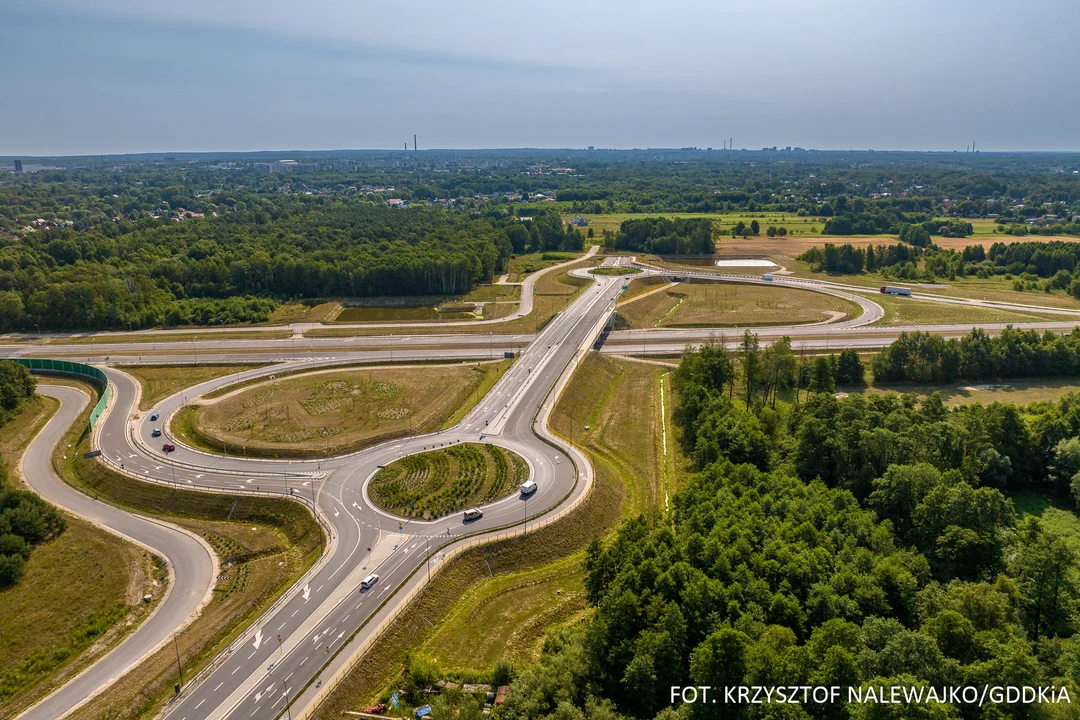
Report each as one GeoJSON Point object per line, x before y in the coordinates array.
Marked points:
{"type": "Point", "coordinates": [127, 242]}
{"type": "Point", "coordinates": [237, 267]}
{"type": "Point", "coordinates": [663, 236]}
{"type": "Point", "coordinates": [856, 542]}
{"type": "Point", "coordinates": [25, 519]}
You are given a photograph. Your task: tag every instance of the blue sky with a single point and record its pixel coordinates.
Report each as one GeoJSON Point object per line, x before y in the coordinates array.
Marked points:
{"type": "Point", "coordinates": [111, 76]}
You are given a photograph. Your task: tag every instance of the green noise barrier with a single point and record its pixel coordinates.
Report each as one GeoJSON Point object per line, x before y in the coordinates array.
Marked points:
{"type": "Point", "coordinates": [47, 365]}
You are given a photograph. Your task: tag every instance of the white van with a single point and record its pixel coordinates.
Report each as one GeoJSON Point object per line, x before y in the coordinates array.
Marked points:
{"type": "Point", "coordinates": [528, 487]}
{"type": "Point", "coordinates": [473, 514]}
{"type": "Point", "coordinates": [368, 582]}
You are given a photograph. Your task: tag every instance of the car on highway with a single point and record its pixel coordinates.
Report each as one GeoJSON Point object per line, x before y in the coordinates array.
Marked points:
{"type": "Point", "coordinates": [168, 447]}
{"type": "Point", "coordinates": [156, 432]}
{"type": "Point", "coordinates": [528, 487]}
{"type": "Point", "coordinates": [473, 514]}
{"type": "Point", "coordinates": [153, 417]}
{"type": "Point", "coordinates": [369, 582]}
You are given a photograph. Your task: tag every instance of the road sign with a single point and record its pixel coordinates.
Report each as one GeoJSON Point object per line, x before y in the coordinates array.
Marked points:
{"type": "Point", "coordinates": [625, 287]}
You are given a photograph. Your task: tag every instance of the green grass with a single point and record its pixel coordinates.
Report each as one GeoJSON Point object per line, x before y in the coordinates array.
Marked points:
{"type": "Point", "coordinates": [440, 482]}
{"type": "Point", "coordinates": [906, 311]}
{"type": "Point", "coordinates": [1058, 516]}
{"type": "Point", "coordinates": [501, 599]}
{"type": "Point", "coordinates": [160, 381]}
{"type": "Point", "coordinates": [523, 265]}
{"type": "Point", "coordinates": [614, 271]}
{"type": "Point", "coordinates": [274, 541]}
{"type": "Point", "coordinates": [77, 589]}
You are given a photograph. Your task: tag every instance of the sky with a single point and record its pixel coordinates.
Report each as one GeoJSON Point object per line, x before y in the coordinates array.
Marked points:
{"type": "Point", "coordinates": [122, 76]}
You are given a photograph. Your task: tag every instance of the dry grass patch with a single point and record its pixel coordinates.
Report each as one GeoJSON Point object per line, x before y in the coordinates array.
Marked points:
{"type": "Point", "coordinates": [328, 413]}
{"type": "Point", "coordinates": [1013, 392]}
{"type": "Point", "coordinates": [305, 311]}
{"type": "Point", "coordinates": [160, 381]}
{"type": "Point", "coordinates": [731, 304]}
{"type": "Point", "coordinates": [146, 338]}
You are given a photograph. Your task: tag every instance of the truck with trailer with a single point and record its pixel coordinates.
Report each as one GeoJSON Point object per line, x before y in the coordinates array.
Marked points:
{"type": "Point", "coordinates": [893, 290]}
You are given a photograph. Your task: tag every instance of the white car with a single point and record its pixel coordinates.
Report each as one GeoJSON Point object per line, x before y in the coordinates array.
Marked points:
{"type": "Point", "coordinates": [369, 582]}
{"type": "Point", "coordinates": [473, 514]}
{"type": "Point", "coordinates": [528, 487]}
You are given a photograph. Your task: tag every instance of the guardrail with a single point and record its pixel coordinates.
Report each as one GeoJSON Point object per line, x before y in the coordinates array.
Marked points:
{"type": "Point", "coordinates": [461, 545]}
{"type": "Point", "coordinates": [66, 367]}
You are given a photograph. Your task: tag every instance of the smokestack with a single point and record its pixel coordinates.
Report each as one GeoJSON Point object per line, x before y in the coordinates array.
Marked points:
{"type": "Point", "coordinates": [731, 144]}
{"type": "Point", "coordinates": [414, 143]}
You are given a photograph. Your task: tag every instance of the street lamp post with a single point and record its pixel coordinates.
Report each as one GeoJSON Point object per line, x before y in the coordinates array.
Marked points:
{"type": "Point", "coordinates": [179, 667]}
{"type": "Point", "coordinates": [285, 686]}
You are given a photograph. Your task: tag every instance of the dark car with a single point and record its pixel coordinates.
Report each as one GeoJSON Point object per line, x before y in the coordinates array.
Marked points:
{"type": "Point", "coordinates": [153, 417]}
{"type": "Point", "coordinates": [156, 432]}
{"type": "Point", "coordinates": [168, 447]}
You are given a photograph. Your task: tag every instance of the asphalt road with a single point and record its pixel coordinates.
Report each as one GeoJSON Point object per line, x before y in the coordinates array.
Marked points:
{"type": "Point", "coordinates": [191, 563]}
{"type": "Point", "coordinates": [259, 674]}
{"type": "Point", "coordinates": [291, 643]}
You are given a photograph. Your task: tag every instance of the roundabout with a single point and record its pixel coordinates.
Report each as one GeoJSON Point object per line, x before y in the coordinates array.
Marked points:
{"type": "Point", "coordinates": [324, 622]}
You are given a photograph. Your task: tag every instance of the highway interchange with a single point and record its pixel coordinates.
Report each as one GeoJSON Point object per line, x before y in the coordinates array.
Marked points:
{"type": "Point", "coordinates": [293, 653]}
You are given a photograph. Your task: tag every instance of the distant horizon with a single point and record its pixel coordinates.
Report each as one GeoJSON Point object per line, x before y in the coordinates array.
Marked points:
{"type": "Point", "coordinates": [522, 149]}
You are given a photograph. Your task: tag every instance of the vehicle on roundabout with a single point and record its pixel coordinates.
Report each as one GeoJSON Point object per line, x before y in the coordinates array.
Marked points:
{"type": "Point", "coordinates": [528, 487]}
{"type": "Point", "coordinates": [156, 432]}
{"type": "Point", "coordinates": [473, 514]}
{"type": "Point", "coordinates": [168, 447]}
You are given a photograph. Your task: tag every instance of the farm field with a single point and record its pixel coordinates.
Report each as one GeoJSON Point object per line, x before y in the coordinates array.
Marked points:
{"type": "Point", "coordinates": [712, 304]}
{"type": "Point", "coordinates": [804, 229]}
{"type": "Point", "coordinates": [332, 412]}
{"type": "Point", "coordinates": [438, 483]}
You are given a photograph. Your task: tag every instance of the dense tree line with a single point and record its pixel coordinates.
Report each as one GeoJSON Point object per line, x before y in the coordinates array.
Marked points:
{"type": "Point", "coordinates": [25, 519]}
{"type": "Point", "coordinates": [664, 236]}
{"type": "Point", "coordinates": [1043, 266]}
{"type": "Point", "coordinates": [856, 542]}
{"type": "Point", "coordinates": [922, 357]}
{"type": "Point", "coordinates": [237, 267]}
